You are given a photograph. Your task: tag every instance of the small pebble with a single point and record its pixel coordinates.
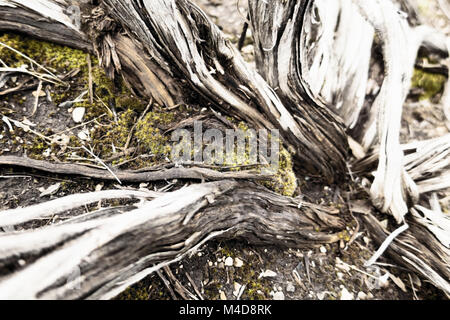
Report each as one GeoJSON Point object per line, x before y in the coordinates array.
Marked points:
{"type": "Point", "coordinates": [267, 274]}
{"type": "Point", "coordinates": [323, 250]}
{"type": "Point", "coordinates": [290, 287]}
{"type": "Point", "coordinates": [362, 295]}
{"type": "Point", "coordinates": [345, 295]}
{"type": "Point", "coordinates": [83, 135]}
{"type": "Point", "coordinates": [278, 295]}
{"type": "Point", "coordinates": [238, 263]}
{"type": "Point", "coordinates": [321, 295]}
{"type": "Point", "coordinates": [229, 262]}
{"type": "Point", "coordinates": [237, 288]}
{"type": "Point", "coordinates": [78, 114]}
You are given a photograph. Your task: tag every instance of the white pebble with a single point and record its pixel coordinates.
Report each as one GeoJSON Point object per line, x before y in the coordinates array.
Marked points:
{"type": "Point", "coordinates": [268, 274]}
{"type": "Point", "coordinates": [237, 289]}
{"type": "Point", "coordinates": [278, 295]}
{"type": "Point", "coordinates": [222, 295]}
{"type": "Point", "coordinates": [345, 295]}
{"type": "Point", "coordinates": [290, 287]}
{"type": "Point", "coordinates": [229, 262]}
{"type": "Point", "coordinates": [238, 263]}
{"type": "Point", "coordinates": [362, 295]}
{"type": "Point", "coordinates": [78, 114]}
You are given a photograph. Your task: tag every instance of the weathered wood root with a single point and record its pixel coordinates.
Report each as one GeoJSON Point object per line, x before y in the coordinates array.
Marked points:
{"type": "Point", "coordinates": [100, 257]}
{"type": "Point", "coordinates": [129, 176]}
{"type": "Point", "coordinates": [426, 162]}
{"type": "Point", "coordinates": [416, 250]}
{"type": "Point", "coordinates": [170, 49]}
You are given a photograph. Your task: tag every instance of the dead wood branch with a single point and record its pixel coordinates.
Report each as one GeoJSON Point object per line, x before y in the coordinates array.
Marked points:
{"type": "Point", "coordinates": [314, 59]}
{"type": "Point", "coordinates": [129, 176]}
{"type": "Point", "coordinates": [160, 231]}
{"type": "Point", "coordinates": [416, 250]}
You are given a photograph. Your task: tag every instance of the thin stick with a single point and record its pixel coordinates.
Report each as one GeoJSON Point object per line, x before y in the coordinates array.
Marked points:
{"type": "Point", "coordinates": [166, 284]}
{"type": "Point", "coordinates": [193, 173]}
{"type": "Point", "coordinates": [243, 34]}
{"type": "Point", "coordinates": [185, 293]}
{"type": "Point", "coordinates": [102, 163]}
{"type": "Point", "coordinates": [386, 244]}
{"type": "Point", "coordinates": [194, 286]}
{"type": "Point", "coordinates": [36, 102]}
{"type": "Point", "coordinates": [91, 90]}
{"type": "Point", "coordinates": [22, 215]}
{"type": "Point", "coordinates": [31, 60]}
{"type": "Point", "coordinates": [412, 287]}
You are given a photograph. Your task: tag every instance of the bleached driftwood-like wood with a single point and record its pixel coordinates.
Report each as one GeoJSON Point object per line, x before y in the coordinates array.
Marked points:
{"type": "Point", "coordinates": [276, 28]}
{"type": "Point", "coordinates": [47, 20]}
{"type": "Point", "coordinates": [48, 209]}
{"type": "Point", "coordinates": [416, 250]}
{"type": "Point", "coordinates": [114, 250]}
{"type": "Point", "coordinates": [336, 51]}
{"type": "Point", "coordinates": [426, 162]}
{"type": "Point", "coordinates": [194, 173]}
{"type": "Point", "coordinates": [436, 221]}
{"type": "Point", "coordinates": [169, 50]}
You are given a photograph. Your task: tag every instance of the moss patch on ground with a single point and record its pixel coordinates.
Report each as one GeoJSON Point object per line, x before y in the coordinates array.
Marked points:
{"type": "Point", "coordinates": [122, 124]}
{"type": "Point", "coordinates": [50, 55]}
{"type": "Point", "coordinates": [113, 111]}
{"type": "Point", "coordinates": [431, 84]}
{"type": "Point", "coordinates": [117, 122]}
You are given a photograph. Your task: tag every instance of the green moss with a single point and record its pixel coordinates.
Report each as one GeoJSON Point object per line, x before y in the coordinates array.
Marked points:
{"type": "Point", "coordinates": [107, 94]}
{"type": "Point", "coordinates": [256, 290]}
{"type": "Point", "coordinates": [146, 135]}
{"type": "Point", "coordinates": [36, 149]}
{"type": "Point", "coordinates": [49, 55]}
{"type": "Point", "coordinates": [430, 83]}
{"type": "Point", "coordinates": [118, 132]}
{"type": "Point", "coordinates": [61, 59]}
{"type": "Point", "coordinates": [149, 133]}
{"type": "Point", "coordinates": [285, 181]}
{"type": "Point", "coordinates": [114, 135]}
{"type": "Point", "coordinates": [226, 251]}
{"type": "Point", "coordinates": [109, 97]}
{"type": "Point", "coordinates": [344, 235]}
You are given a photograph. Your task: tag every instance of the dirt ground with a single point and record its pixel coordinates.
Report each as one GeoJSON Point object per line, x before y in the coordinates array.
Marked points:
{"type": "Point", "coordinates": [223, 269]}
